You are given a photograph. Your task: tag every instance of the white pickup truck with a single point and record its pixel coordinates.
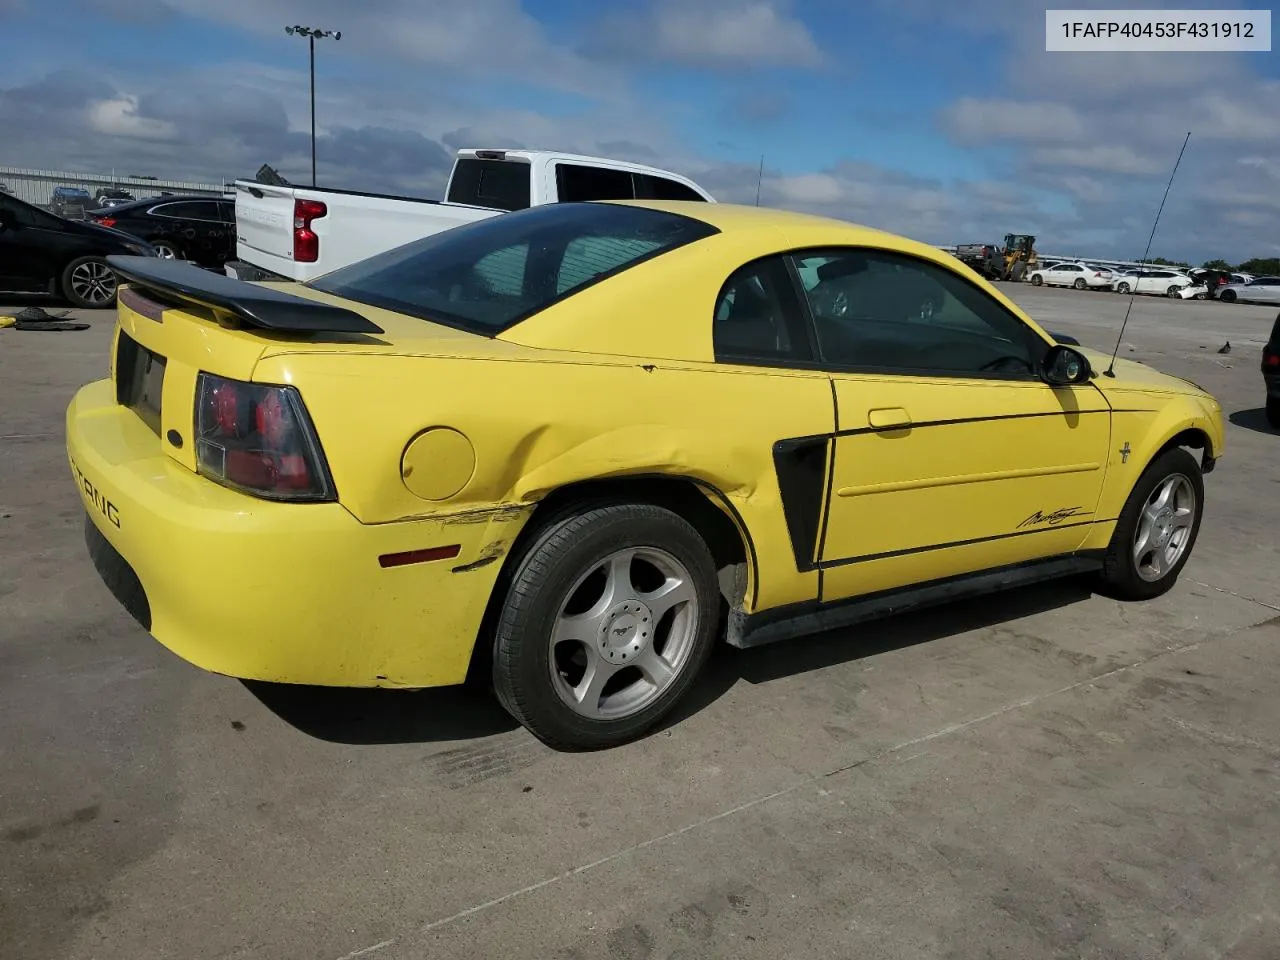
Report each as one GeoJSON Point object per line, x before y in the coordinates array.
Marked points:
{"type": "Point", "coordinates": [300, 233]}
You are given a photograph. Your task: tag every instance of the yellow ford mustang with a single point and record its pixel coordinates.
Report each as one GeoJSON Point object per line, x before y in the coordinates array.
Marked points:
{"type": "Point", "coordinates": [569, 447]}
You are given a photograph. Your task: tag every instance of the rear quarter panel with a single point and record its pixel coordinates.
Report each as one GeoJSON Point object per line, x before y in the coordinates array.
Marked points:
{"type": "Point", "coordinates": [536, 425]}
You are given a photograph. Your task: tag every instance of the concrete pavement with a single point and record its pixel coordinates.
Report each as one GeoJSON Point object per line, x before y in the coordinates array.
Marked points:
{"type": "Point", "coordinates": [1043, 774]}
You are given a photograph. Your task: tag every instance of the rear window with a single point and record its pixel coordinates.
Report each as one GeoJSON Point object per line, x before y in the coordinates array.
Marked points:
{"type": "Point", "coordinates": [488, 276]}
{"type": "Point", "coordinates": [500, 184]}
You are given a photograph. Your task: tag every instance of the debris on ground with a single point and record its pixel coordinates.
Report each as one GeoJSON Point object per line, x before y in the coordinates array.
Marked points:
{"type": "Point", "coordinates": [36, 318]}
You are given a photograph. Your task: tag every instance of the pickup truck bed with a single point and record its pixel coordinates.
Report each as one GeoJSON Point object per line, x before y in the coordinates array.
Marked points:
{"type": "Point", "coordinates": [300, 233]}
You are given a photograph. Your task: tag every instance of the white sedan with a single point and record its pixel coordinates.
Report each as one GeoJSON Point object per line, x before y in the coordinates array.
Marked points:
{"type": "Point", "coordinates": [1258, 290]}
{"type": "Point", "coordinates": [1164, 283]}
{"type": "Point", "coordinates": [1078, 275]}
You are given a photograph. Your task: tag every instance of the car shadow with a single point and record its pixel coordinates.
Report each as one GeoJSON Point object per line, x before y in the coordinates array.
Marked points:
{"type": "Point", "coordinates": [379, 716]}
{"type": "Point", "coordinates": [466, 712]}
{"type": "Point", "coordinates": [1255, 419]}
{"type": "Point", "coordinates": [775, 661]}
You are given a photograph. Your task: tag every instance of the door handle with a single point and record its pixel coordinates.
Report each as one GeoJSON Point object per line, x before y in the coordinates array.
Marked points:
{"type": "Point", "coordinates": [886, 418]}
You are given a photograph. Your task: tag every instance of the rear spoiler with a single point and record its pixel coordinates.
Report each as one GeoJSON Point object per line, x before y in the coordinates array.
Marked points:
{"type": "Point", "coordinates": [252, 305]}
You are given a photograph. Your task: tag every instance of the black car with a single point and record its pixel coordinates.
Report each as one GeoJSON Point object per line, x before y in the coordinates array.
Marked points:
{"type": "Point", "coordinates": [195, 228]}
{"type": "Point", "coordinates": [1215, 280]}
{"type": "Point", "coordinates": [72, 203]}
{"type": "Point", "coordinates": [1271, 374]}
{"type": "Point", "coordinates": [43, 253]}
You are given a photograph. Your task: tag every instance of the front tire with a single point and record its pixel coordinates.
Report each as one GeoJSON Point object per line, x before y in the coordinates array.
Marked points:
{"type": "Point", "coordinates": [609, 618]}
{"type": "Point", "coordinates": [1079, 284]}
{"type": "Point", "coordinates": [166, 250]}
{"type": "Point", "coordinates": [1173, 291]}
{"type": "Point", "coordinates": [1227, 296]}
{"type": "Point", "coordinates": [1157, 529]}
{"type": "Point", "coordinates": [1123, 288]}
{"type": "Point", "coordinates": [1036, 280]}
{"type": "Point", "coordinates": [89, 283]}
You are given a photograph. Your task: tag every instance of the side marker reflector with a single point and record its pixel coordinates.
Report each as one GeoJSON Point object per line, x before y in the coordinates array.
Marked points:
{"type": "Point", "coordinates": [419, 556]}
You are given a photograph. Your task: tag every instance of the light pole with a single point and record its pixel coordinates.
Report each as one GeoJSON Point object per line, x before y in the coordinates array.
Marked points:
{"type": "Point", "coordinates": [311, 33]}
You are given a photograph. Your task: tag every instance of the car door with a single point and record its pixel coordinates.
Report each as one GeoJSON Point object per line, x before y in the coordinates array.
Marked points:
{"type": "Point", "coordinates": [33, 247]}
{"type": "Point", "coordinates": [951, 455]}
{"type": "Point", "coordinates": [1264, 290]}
{"type": "Point", "coordinates": [1070, 273]}
{"type": "Point", "coordinates": [1154, 281]}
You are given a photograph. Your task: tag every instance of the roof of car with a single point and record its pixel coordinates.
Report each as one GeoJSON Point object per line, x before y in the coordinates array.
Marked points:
{"type": "Point", "coordinates": [741, 217]}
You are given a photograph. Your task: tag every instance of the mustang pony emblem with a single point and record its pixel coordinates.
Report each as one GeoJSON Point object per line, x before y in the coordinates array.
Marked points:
{"type": "Point", "coordinates": [1053, 518]}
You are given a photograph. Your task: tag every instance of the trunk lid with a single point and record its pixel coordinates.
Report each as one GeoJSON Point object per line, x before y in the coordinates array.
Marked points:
{"type": "Point", "coordinates": [176, 321]}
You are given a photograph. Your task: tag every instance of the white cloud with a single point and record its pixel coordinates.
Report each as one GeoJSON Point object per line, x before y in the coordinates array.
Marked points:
{"type": "Point", "coordinates": [713, 34]}
{"type": "Point", "coordinates": [119, 117]}
{"type": "Point", "coordinates": [748, 33]}
{"type": "Point", "coordinates": [972, 120]}
{"type": "Point", "coordinates": [1102, 158]}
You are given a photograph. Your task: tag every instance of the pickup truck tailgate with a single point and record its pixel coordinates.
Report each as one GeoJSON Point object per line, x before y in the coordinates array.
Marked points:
{"type": "Point", "coordinates": [265, 223]}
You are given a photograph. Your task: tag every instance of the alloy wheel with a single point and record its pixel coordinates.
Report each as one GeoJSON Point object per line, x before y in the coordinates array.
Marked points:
{"type": "Point", "coordinates": [1164, 528]}
{"type": "Point", "coordinates": [94, 282]}
{"type": "Point", "coordinates": [624, 633]}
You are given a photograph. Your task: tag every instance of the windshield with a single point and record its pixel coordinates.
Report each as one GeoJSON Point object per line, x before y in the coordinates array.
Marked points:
{"type": "Point", "coordinates": [490, 275]}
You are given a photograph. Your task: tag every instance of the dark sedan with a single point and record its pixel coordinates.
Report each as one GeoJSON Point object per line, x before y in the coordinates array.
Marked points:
{"type": "Point", "coordinates": [1271, 374]}
{"type": "Point", "coordinates": [44, 253]}
{"type": "Point", "coordinates": [195, 228]}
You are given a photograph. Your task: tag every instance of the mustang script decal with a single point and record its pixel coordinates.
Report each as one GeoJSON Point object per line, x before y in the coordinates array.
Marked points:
{"type": "Point", "coordinates": [1053, 518]}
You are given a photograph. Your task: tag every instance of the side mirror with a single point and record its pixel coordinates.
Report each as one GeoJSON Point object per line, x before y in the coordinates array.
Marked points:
{"type": "Point", "coordinates": [1062, 367]}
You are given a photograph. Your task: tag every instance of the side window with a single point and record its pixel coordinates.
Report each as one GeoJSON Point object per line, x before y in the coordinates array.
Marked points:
{"type": "Point", "coordinates": [649, 187]}
{"type": "Point", "coordinates": [757, 316]}
{"type": "Point", "coordinates": [227, 211]}
{"type": "Point", "coordinates": [876, 309]}
{"type": "Point", "coordinates": [192, 210]}
{"type": "Point", "coordinates": [576, 182]}
{"type": "Point", "coordinates": [1073, 268]}
{"type": "Point", "coordinates": [502, 272]}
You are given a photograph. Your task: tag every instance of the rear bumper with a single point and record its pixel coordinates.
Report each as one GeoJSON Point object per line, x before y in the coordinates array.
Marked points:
{"type": "Point", "coordinates": [1272, 380]}
{"type": "Point", "coordinates": [290, 593]}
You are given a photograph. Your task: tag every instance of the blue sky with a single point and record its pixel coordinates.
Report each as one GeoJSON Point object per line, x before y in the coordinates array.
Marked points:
{"type": "Point", "coordinates": [946, 121]}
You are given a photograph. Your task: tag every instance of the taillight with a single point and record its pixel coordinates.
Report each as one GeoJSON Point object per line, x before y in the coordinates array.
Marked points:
{"type": "Point", "coordinates": [1270, 359]}
{"type": "Point", "coordinates": [104, 221]}
{"type": "Point", "coordinates": [258, 439]}
{"type": "Point", "coordinates": [306, 245]}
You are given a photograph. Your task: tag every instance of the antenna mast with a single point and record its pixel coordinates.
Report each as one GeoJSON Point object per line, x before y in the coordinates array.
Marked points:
{"type": "Point", "coordinates": [1133, 291]}
{"type": "Point", "coordinates": [759, 179]}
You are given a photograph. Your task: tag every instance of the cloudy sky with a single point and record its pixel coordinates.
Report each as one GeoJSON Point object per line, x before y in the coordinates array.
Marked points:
{"type": "Point", "coordinates": [944, 120]}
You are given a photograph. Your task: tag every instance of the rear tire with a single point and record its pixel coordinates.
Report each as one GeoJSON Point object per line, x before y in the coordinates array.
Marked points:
{"type": "Point", "coordinates": [1123, 288]}
{"type": "Point", "coordinates": [546, 683]}
{"type": "Point", "coordinates": [89, 283]}
{"type": "Point", "coordinates": [1153, 538]}
{"type": "Point", "coordinates": [1172, 291]}
{"type": "Point", "coordinates": [1227, 296]}
{"type": "Point", "coordinates": [1273, 411]}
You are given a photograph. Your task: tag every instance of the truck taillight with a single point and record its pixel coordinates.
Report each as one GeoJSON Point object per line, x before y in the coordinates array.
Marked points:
{"type": "Point", "coordinates": [306, 245]}
{"type": "Point", "coordinates": [258, 439]}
